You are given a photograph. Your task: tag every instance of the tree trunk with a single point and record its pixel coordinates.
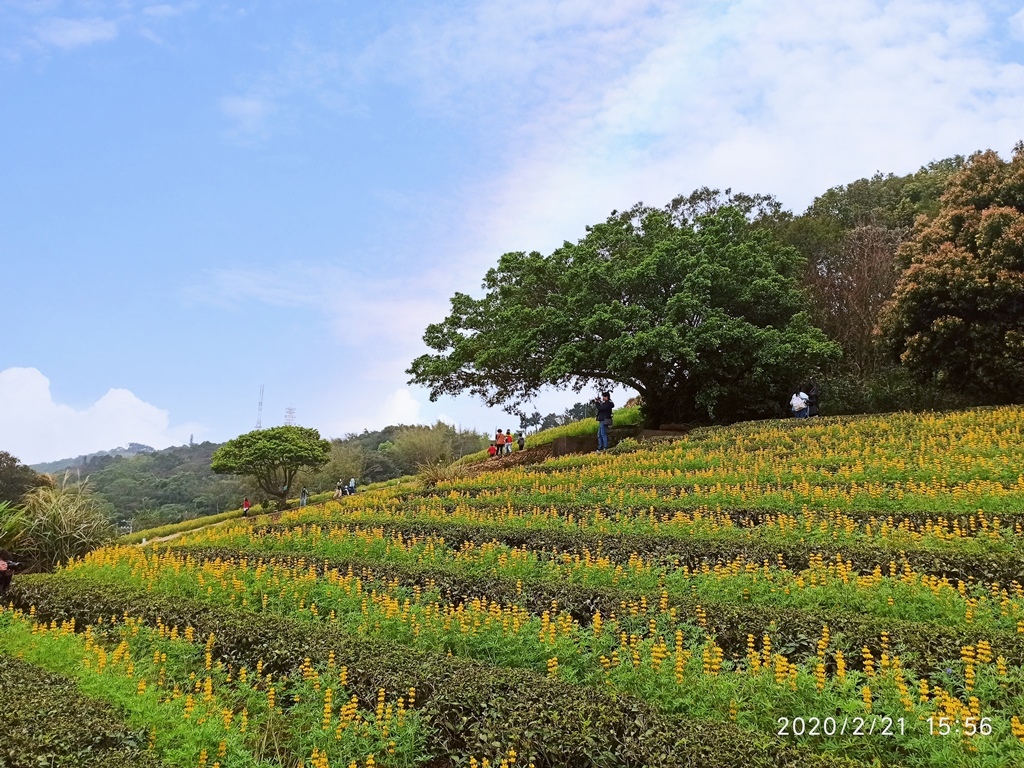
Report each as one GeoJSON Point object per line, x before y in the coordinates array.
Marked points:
{"type": "Point", "coordinates": [666, 407]}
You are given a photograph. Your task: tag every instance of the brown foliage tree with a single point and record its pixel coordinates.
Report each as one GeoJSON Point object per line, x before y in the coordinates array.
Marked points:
{"type": "Point", "coordinates": [850, 289]}
{"type": "Point", "coordinates": [957, 314]}
{"type": "Point", "coordinates": [850, 235]}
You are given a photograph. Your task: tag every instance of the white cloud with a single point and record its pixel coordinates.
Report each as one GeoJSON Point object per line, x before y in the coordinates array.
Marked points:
{"type": "Point", "coordinates": [270, 99]}
{"type": "Point", "coordinates": [400, 408]}
{"type": "Point", "coordinates": [35, 428]}
{"type": "Point", "coordinates": [75, 33]}
{"type": "Point", "coordinates": [249, 116]}
{"type": "Point", "coordinates": [1016, 25]}
{"type": "Point", "coordinates": [165, 10]}
{"type": "Point", "coordinates": [358, 309]}
{"type": "Point", "coordinates": [783, 97]}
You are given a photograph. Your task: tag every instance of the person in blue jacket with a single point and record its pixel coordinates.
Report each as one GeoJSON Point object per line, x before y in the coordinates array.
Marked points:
{"type": "Point", "coordinates": [604, 419]}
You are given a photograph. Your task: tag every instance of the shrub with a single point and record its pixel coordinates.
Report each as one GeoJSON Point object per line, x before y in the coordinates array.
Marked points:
{"type": "Point", "coordinates": [48, 722]}
{"type": "Point", "coordinates": [626, 445]}
{"type": "Point", "coordinates": [61, 523]}
{"type": "Point", "coordinates": [469, 707]}
{"type": "Point", "coordinates": [926, 644]}
{"type": "Point", "coordinates": [12, 524]}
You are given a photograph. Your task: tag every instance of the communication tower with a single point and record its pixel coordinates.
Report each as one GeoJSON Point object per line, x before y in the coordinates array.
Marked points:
{"type": "Point", "coordinates": [289, 416]}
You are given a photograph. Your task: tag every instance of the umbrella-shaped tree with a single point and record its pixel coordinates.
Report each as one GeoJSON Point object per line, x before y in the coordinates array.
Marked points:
{"type": "Point", "coordinates": [272, 457]}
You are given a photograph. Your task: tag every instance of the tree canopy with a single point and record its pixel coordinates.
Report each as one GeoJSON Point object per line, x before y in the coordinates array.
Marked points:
{"type": "Point", "coordinates": [17, 479]}
{"type": "Point", "coordinates": [695, 306]}
{"type": "Point", "coordinates": [850, 235]}
{"type": "Point", "coordinates": [957, 315]}
{"type": "Point", "coordinates": [272, 457]}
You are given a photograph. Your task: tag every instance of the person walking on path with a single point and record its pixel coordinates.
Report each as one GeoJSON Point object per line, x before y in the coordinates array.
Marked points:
{"type": "Point", "coordinates": [499, 441]}
{"type": "Point", "coordinates": [338, 492]}
{"type": "Point", "coordinates": [798, 404]}
{"type": "Point", "coordinates": [604, 419]}
{"type": "Point", "coordinates": [522, 441]}
{"type": "Point", "coordinates": [303, 497]}
{"type": "Point", "coordinates": [812, 398]}
{"type": "Point", "coordinates": [245, 506]}
{"type": "Point", "coordinates": [508, 441]}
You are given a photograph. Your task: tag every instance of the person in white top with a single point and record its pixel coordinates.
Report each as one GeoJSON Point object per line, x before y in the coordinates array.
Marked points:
{"type": "Point", "coordinates": [799, 405]}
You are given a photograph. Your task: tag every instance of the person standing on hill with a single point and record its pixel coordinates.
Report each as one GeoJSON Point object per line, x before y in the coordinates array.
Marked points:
{"type": "Point", "coordinates": [508, 441]}
{"type": "Point", "coordinates": [522, 441]}
{"type": "Point", "coordinates": [245, 506]}
{"type": "Point", "coordinates": [303, 497]}
{"type": "Point", "coordinates": [604, 419]}
{"type": "Point", "coordinates": [499, 441]}
{"type": "Point", "coordinates": [812, 398]}
{"type": "Point", "coordinates": [798, 404]}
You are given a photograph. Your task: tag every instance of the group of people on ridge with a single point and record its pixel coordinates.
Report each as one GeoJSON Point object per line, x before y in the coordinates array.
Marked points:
{"type": "Point", "coordinates": [345, 489]}
{"type": "Point", "coordinates": [341, 489]}
{"type": "Point", "coordinates": [503, 443]}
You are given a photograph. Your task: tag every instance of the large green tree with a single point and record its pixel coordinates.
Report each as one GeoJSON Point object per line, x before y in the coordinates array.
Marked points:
{"type": "Point", "coordinates": [17, 479]}
{"type": "Point", "coordinates": [957, 315]}
{"type": "Point", "coordinates": [272, 457]}
{"type": "Point", "coordinates": [695, 306]}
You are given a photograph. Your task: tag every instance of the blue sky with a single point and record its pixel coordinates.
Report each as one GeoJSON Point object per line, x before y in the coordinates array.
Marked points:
{"type": "Point", "coordinates": [200, 198]}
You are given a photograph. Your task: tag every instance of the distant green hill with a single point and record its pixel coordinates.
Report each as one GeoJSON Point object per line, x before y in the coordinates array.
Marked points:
{"type": "Point", "coordinates": [49, 467]}
{"type": "Point", "coordinates": [166, 486]}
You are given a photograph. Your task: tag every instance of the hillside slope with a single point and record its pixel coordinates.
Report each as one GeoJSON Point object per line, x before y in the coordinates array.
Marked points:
{"type": "Point", "coordinates": [833, 592]}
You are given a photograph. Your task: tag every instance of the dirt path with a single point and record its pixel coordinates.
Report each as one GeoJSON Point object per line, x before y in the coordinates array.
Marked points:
{"type": "Point", "coordinates": [514, 459]}
{"type": "Point", "coordinates": [169, 537]}
{"type": "Point", "coordinates": [272, 517]}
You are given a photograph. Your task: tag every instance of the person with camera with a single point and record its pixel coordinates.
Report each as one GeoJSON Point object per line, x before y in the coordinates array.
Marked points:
{"type": "Point", "coordinates": [7, 566]}
{"type": "Point", "coordinates": [604, 419]}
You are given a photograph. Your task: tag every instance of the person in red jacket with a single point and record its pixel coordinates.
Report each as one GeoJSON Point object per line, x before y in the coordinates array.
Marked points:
{"type": "Point", "coordinates": [492, 451]}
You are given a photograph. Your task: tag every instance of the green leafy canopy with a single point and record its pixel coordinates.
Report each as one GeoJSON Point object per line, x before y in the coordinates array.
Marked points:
{"type": "Point", "coordinates": [272, 457]}
{"type": "Point", "coordinates": [695, 306]}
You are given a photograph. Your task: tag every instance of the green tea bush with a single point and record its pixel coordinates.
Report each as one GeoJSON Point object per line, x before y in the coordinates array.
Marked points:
{"type": "Point", "coordinates": [626, 445]}
{"type": "Point", "coordinates": [924, 646]}
{"type": "Point", "coordinates": [46, 721]}
{"type": "Point", "coordinates": [470, 708]}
